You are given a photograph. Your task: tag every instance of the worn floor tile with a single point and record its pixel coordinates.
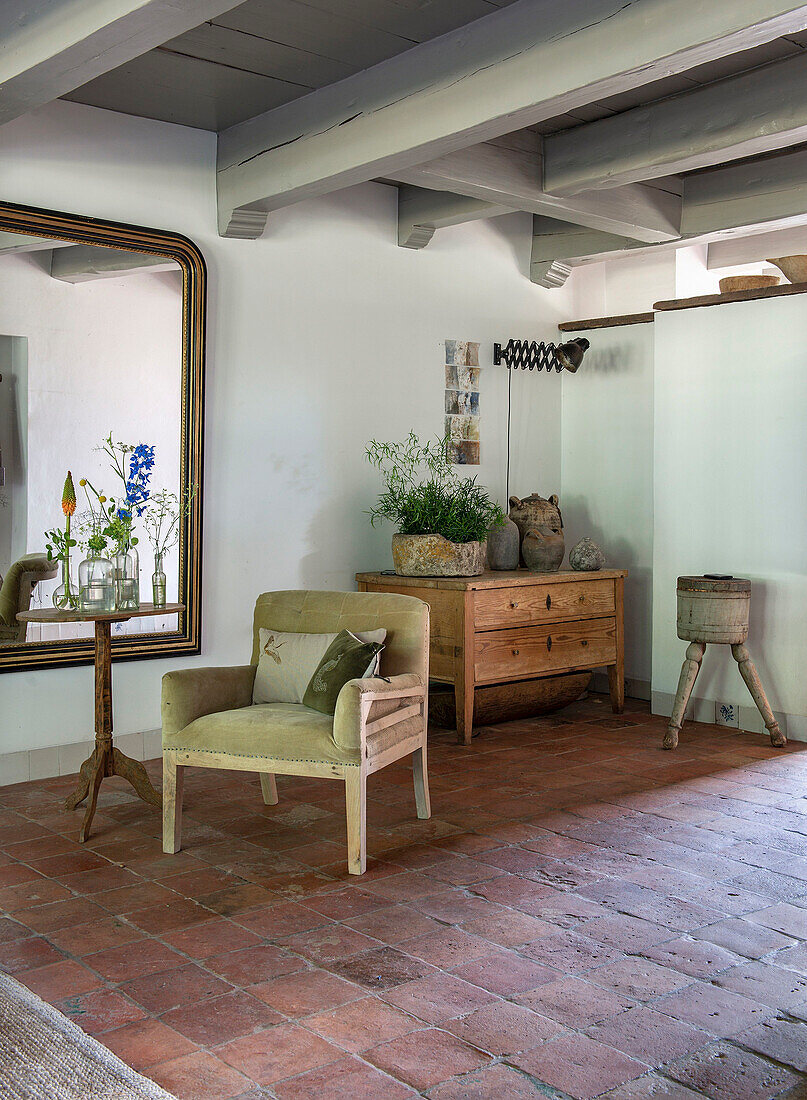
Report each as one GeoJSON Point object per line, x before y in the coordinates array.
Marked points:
{"type": "Point", "coordinates": [423, 1059]}
{"type": "Point", "coordinates": [724, 1072]}
{"type": "Point", "coordinates": [504, 1028]}
{"type": "Point", "coordinates": [579, 1066]}
{"type": "Point", "coordinates": [361, 1024]}
{"type": "Point", "coordinates": [284, 1051]}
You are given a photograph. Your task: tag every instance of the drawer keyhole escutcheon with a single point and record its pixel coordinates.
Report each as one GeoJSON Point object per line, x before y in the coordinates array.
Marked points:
{"type": "Point", "coordinates": [548, 602]}
{"type": "Point", "coordinates": [549, 642]}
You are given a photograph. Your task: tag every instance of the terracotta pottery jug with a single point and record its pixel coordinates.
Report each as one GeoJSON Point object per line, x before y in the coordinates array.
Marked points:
{"type": "Point", "coordinates": [541, 520]}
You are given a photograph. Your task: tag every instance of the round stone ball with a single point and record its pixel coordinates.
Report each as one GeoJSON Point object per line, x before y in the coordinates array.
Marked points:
{"type": "Point", "coordinates": [586, 556]}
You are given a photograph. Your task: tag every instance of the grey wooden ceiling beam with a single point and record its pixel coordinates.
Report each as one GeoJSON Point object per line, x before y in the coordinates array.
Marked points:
{"type": "Point", "coordinates": [749, 194]}
{"type": "Point", "coordinates": [743, 116]}
{"type": "Point", "coordinates": [421, 212]}
{"type": "Point", "coordinates": [756, 247]}
{"type": "Point", "coordinates": [21, 242]}
{"type": "Point", "coordinates": [524, 63]}
{"type": "Point", "coordinates": [83, 263]}
{"type": "Point", "coordinates": [512, 178]}
{"type": "Point", "coordinates": [719, 204]}
{"type": "Point", "coordinates": [54, 46]}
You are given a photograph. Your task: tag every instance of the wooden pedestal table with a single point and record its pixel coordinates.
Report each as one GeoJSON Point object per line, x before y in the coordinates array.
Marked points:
{"type": "Point", "coordinates": [502, 628]}
{"type": "Point", "coordinates": [106, 759]}
{"type": "Point", "coordinates": [716, 610]}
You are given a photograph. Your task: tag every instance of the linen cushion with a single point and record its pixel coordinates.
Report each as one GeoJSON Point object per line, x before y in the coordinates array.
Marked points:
{"type": "Point", "coordinates": [346, 658]}
{"type": "Point", "coordinates": [287, 661]}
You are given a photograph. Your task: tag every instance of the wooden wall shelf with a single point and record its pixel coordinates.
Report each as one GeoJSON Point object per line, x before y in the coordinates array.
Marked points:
{"type": "Point", "coordinates": [734, 296]}
{"type": "Point", "coordinates": [606, 322]}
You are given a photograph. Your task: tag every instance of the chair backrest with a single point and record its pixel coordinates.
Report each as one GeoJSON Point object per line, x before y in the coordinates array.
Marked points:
{"type": "Point", "coordinates": [405, 618]}
{"type": "Point", "coordinates": [15, 591]}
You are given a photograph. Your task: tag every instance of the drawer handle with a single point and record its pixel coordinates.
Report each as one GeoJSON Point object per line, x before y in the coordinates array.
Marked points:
{"type": "Point", "coordinates": [513, 605]}
{"type": "Point", "coordinates": [584, 642]}
{"type": "Point", "coordinates": [515, 653]}
{"type": "Point", "coordinates": [548, 602]}
{"type": "Point", "coordinates": [549, 641]}
{"type": "Point", "coordinates": [582, 599]}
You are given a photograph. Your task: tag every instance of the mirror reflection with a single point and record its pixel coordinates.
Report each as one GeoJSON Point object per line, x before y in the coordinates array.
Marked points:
{"type": "Point", "coordinates": [90, 383]}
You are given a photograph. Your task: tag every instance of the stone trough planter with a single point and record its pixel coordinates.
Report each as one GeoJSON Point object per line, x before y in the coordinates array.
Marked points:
{"type": "Point", "coordinates": [435, 556]}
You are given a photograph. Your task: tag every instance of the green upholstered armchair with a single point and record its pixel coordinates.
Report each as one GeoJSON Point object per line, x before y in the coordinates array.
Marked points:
{"type": "Point", "coordinates": [15, 592]}
{"type": "Point", "coordinates": [209, 720]}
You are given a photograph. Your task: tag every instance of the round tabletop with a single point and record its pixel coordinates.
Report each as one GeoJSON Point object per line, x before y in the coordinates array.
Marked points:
{"type": "Point", "coordinates": [54, 615]}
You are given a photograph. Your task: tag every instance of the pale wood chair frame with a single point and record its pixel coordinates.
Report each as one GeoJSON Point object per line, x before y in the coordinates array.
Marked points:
{"type": "Point", "coordinates": [354, 776]}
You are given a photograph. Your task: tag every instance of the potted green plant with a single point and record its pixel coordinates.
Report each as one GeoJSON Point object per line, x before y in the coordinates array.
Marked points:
{"type": "Point", "coordinates": [442, 519]}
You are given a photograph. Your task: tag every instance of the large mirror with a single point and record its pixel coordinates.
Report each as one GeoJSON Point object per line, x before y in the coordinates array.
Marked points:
{"type": "Point", "coordinates": [101, 369]}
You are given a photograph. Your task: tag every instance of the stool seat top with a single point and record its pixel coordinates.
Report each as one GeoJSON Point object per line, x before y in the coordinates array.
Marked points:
{"type": "Point", "coordinates": [710, 585]}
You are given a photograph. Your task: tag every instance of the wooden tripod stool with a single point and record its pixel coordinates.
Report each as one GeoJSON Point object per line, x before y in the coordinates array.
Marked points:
{"type": "Point", "coordinates": [716, 610]}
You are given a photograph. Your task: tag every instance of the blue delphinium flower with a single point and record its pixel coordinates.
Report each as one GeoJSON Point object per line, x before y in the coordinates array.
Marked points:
{"type": "Point", "coordinates": [141, 462]}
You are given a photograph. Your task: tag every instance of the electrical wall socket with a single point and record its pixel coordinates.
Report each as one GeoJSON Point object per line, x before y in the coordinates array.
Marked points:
{"type": "Point", "coordinates": [727, 714]}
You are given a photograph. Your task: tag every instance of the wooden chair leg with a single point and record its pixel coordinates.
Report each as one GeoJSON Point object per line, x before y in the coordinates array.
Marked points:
{"type": "Point", "coordinates": [173, 782]}
{"type": "Point", "coordinates": [269, 789]}
{"type": "Point", "coordinates": [421, 777]}
{"type": "Point", "coordinates": [356, 805]}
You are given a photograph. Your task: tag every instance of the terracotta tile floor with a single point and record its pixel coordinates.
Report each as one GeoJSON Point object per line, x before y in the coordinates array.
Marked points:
{"type": "Point", "coordinates": [584, 915]}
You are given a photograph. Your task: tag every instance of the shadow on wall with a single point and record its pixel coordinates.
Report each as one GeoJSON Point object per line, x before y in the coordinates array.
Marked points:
{"type": "Point", "coordinates": [615, 360]}
{"type": "Point", "coordinates": [620, 553]}
{"type": "Point", "coordinates": [342, 542]}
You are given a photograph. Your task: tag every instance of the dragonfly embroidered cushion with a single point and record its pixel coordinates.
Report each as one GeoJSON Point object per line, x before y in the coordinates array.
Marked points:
{"type": "Point", "coordinates": [287, 662]}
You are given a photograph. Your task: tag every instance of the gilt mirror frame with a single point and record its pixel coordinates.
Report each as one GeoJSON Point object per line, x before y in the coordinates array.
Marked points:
{"type": "Point", "coordinates": [21, 656]}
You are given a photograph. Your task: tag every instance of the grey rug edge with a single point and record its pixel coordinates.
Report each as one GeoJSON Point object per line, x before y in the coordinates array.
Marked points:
{"type": "Point", "coordinates": [89, 1045]}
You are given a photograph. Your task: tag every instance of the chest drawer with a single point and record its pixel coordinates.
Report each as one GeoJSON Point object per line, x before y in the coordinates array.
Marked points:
{"type": "Point", "coordinates": [501, 655]}
{"type": "Point", "coordinates": [541, 603]}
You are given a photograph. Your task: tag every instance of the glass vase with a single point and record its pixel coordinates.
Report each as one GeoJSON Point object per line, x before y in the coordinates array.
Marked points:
{"type": "Point", "coordinates": [158, 582]}
{"type": "Point", "coordinates": [127, 579]}
{"type": "Point", "coordinates": [96, 586]}
{"type": "Point", "coordinates": [65, 597]}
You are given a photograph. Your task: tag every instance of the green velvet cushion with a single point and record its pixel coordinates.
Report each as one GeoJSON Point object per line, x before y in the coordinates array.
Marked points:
{"type": "Point", "coordinates": [288, 731]}
{"type": "Point", "coordinates": [346, 658]}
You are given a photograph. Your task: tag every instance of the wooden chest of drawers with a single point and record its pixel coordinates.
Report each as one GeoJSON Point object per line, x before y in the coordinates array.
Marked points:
{"type": "Point", "coordinates": [504, 627]}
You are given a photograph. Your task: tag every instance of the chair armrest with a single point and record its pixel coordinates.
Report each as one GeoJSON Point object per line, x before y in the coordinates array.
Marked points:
{"type": "Point", "coordinates": [362, 702]}
{"type": "Point", "coordinates": [189, 693]}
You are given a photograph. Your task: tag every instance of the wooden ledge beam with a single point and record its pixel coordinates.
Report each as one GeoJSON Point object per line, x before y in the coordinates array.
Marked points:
{"type": "Point", "coordinates": [51, 47]}
{"type": "Point", "coordinates": [505, 71]}
{"type": "Point", "coordinates": [743, 116]}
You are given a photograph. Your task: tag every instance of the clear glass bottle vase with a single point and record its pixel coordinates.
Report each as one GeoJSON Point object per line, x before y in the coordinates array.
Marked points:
{"type": "Point", "coordinates": [127, 579]}
{"type": "Point", "coordinates": [65, 597]}
{"type": "Point", "coordinates": [158, 581]}
{"type": "Point", "coordinates": [96, 586]}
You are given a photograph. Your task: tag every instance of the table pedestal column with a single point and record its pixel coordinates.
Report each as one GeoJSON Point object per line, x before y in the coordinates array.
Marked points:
{"type": "Point", "coordinates": [106, 759]}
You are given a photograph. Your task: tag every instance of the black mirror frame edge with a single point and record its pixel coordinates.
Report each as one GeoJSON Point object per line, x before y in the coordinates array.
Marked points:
{"type": "Point", "coordinates": [134, 238]}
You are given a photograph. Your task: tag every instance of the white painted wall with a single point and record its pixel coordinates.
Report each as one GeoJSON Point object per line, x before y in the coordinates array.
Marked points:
{"type": "Point", "coordinates": [101, 356]}
{"type": "Point", "coordinates": [730, 454]}
{"type": "Point", "coordinates": [322, 334]}
{"type": "Point", "coordinates": [607, 472]}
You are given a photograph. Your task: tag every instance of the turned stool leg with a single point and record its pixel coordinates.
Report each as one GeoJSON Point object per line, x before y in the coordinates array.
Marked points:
{"type": "Point", "coordinates": [686, 682]}
{"type": "Point", "coordinates": [754, 684]}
